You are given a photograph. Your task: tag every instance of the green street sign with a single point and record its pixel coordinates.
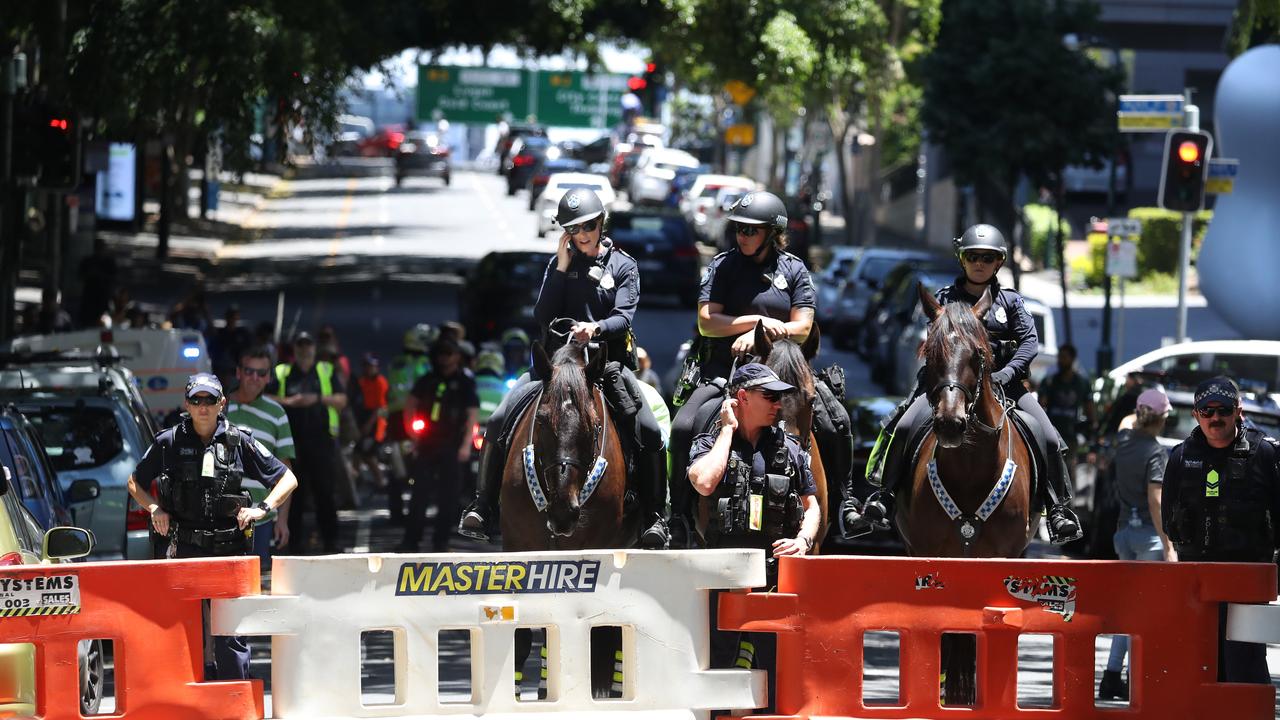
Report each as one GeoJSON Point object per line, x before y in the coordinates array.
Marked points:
{"type": "Point", "coordinates": [472, 94]}
{"type": "Point", "coordinates": [485, 95]}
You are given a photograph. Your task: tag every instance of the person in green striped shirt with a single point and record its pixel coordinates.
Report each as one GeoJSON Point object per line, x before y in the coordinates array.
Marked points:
{"type": "Point", "coordinates": [248, 407]}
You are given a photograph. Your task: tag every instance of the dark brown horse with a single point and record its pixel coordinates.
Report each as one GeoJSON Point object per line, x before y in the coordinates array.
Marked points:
{"type": "Point", "coordinates": [970, 442]}
{"type": "Point", "coordinates": [569, 430]}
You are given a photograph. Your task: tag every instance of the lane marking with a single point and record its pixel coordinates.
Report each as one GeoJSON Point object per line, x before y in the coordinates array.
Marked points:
{"type": "Point", "coordinates": [344, 216]}
{"type": "Point", "coordinates": [499, 221]}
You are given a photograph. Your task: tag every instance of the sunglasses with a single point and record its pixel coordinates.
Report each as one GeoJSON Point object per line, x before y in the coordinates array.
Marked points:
{"type": "Point", "coordinates": [981, 257]}
{"type": "Point", "coordinates": [747, 230]}
{"type": "Point", "coordinates": [771, 395]}
{"type": "Point", "coordinates": [1208, 412]}
{"type": "Point", "coordinates": [260, 372]}
{"type": "Point", "coordinates": [587, 226]}
{"type": "Point", "coordinates": [203, 400]}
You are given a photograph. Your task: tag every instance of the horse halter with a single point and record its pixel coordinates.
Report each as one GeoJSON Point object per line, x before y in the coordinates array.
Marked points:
{"type": "Point", "coordinates": [972, 396]}
{"type": "Point", "coordinates": [563, 462]}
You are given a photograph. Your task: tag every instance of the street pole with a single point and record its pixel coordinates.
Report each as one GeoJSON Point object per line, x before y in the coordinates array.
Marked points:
{"type": "Point", "coordinates": [1184, 250]}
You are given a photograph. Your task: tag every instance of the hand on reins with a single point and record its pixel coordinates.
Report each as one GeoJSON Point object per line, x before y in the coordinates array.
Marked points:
{"type": "Point", "coordinates": [728, 418]}
{"type": "Point", "coordinates": [745, 344]}
{"type": "Point", "coordinates": [583, 331]}
{"type": "Point", "coordinates": [774, 329]}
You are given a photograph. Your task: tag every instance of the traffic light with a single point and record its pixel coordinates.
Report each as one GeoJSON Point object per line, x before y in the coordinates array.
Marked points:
{"type": "Point", "coordinates": [636, 84]}
{"type": "Point", "coordinates": [46, 145]}
{"type": "Point", "coordinates": [654, 91]}
{"type": "Point", "coordinates": [1186, 163]}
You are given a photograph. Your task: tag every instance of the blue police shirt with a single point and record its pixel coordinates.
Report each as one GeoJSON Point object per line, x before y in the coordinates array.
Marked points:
{"type": "Point", "coordinates": [743, 287]}
{"type": "Point", "coordinates": [609, 301]}
{"type": "Point", "coordinates": [702, 445]}
{"type": "Point", "coordinates": [1007, 321]}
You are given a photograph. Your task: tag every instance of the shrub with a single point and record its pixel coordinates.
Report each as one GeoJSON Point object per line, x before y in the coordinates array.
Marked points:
{"type": "Point", "coordinates": [1161, 235]}
{"type": "Point", "coordinates": [1040, 233]}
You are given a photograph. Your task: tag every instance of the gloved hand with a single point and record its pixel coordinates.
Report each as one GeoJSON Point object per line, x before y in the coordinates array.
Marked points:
{"type": "Point", "coordinates": [1002, 377]}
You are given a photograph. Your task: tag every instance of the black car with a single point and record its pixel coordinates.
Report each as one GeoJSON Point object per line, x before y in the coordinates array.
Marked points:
{"type": "Point", "coordinates": [422, 155]}
{"type": "Point", "coordinates": [897, 314]}
{"type": "Point", "coordinates": [864, 280]}
{"type": "Point", "coordinates": [665, 249]}
{"type": "Point", "coordinates": [864, 330]}
{"type": "Point", "coordinates": [525, 156]}
{"type": "Point", "coordinates": [507, 139]}
{"type": "Point", "coordinates": [500, 293]}
{"type": "Point", "coordinates": [547, 167]}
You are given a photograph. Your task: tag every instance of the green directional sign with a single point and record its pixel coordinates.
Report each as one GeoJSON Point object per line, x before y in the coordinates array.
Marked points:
{"type": "Point", "coordinates": [485, 95]}
{"type": "Point", "coordinates": [472, 94]}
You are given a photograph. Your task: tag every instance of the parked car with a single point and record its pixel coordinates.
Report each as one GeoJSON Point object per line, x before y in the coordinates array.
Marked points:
{"type": "Point", "coordinates": [682, 183]}
{"type": "Point", "coordinates": [383, 143]}
{"type": "Point", "coordinates": [30, 473]}
{"type": "Point", "coordinates": [901, 315]}
{"type": "Point", "coordinates": [665, 249]}
{"type": "Point", "coordinates": [500, 292]}
{"type": "Point", "coordinates": [625, 155]}
{"type": "Point", "coordinates": [653, 172]}
{"type": "Point", "coordinates": [547, 167]}
{"type": "Point", "coordinates": [1253, 364]}
{"type": "Point", "coordinates": [718, 231]}
{"type": "Point", "coordinates": [526, 152]}
{"type": "Point", "coordinates": [25, 541]}
{"type": "Point", "coordinates": [865, 331]}
{"type": "Point", "coordinates": [866, 277]}
{"type": "Point", "coordinates": [351, 131]}
{"type": "Point", "coordinates": [561, 183]}
{"type": "Point", "coordinates": [422, 155]}
{"type": "Point", "coordinates": [514, 132]}
{"type": "Point", "coordinates": [701, 200]}
{"type": "Point", "coordinates": [828, 282]}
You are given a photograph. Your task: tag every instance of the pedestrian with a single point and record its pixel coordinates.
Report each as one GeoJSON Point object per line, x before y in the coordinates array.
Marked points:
{"type": "Point", "coordinates": [515, 352]}
{"type": "Point", "coordinates": [228, 342]}
{"type": "Point", "coordinates": [595, 286]}
{"type": "Point", "coordinates": [371, 417]}
{"type": "Point", "coordinates": [312, 395]}
{"type": "Point", "coordinates": [1067, 399]}
{"type": "Point", "coordinates": [445, 400]}
{"type": "Point", "coordinates": [1221, 503]}
{"type": "Point", "coordinates": [761, 495]}
{"type": "Point", "coordinates": [981, 251]}
{"type": "Point", "coordinates": [756, 281]}
{"type": "Point", "coordinates": [1137, 470]}
{"type": "Point", "coordinates": [248, 406]}
{"type": "Point", "coordinates": [202, 507]}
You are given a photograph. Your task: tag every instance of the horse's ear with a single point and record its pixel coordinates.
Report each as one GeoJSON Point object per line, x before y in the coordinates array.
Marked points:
{"type": "Point", "coordinates": [809, 348]}
{"type": "Point", "coordinates": [984, 304]}
{"type": "Point", "coordinates": [541, 363]}
{"type": "Point", "coordinates": [932, 308]}
{"type": "Point", "coordinates": [763, 345]}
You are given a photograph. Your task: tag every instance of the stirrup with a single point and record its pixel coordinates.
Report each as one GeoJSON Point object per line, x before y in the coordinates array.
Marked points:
{"type": "Point", "coordinates": [872, 517]}
{"type": "Point", "coordinates": [472, 525]}
{"type": "Point", "coordinates": [656, 537]}
{"type": "Point", "coordinates": [1064, 527]}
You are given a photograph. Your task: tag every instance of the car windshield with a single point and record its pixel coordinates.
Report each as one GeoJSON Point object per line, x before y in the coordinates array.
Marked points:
{"type": "Point", "coordinates": [876, 268]}
{"type": "Point", "coordinates": [1255, 374]}
{"type": "Point", "coordinates": [657, 230]}
{"type": "Point", "coordinates": [78, 438]}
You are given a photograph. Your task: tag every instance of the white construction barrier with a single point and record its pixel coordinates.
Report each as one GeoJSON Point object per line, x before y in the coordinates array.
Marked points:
{"type": "Point", "coordinates": [1253, 623]}
{"type": "Point", "coordinates": [320, 606]}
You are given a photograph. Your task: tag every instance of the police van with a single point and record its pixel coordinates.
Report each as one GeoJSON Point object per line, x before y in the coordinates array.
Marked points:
{"type": "Point", "coordinates": [161, 360]}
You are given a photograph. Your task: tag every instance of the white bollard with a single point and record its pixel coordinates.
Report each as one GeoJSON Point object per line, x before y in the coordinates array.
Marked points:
{"type": "Point", "coordinates": [320, 606]}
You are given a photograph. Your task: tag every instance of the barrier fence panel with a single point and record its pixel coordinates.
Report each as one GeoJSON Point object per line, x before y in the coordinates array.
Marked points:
{"type": "Point", "coordinates": [824, 606]}
{"type": "Point", "coordinates": [320, 606]}
{"type": "Point", "coordinates": [151, 611]}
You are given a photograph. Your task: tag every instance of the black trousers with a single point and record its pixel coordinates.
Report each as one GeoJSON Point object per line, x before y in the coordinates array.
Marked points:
{"type": "Point", "coordinates": [1240, 662]}
{"type": "Point", "coordinates": [230, 657]}
{"type": "Point", "coordinates": [316, 467]}
{"type": "Point", "coordinates": [437, 475]}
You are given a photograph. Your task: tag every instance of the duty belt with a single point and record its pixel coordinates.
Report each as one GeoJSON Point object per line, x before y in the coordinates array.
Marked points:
{"type": "Point", "coordinates": [227, 540]}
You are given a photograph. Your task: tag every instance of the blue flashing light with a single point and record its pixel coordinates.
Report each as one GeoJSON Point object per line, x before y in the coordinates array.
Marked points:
{"type": "Point", "coordinates": [191, 352]}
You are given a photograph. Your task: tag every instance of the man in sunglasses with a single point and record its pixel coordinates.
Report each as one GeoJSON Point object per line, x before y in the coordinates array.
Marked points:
{"type": "Point", "coordinates": [200, 467]}
{"type": "Point", "coordinates": [248, 406]}
{"type": "Point", "coordinates": [597, 285]}
{"type": "Point", "coordinates": [1221, 503]}
{"type": "Point", "coordinates": [1012, 332]}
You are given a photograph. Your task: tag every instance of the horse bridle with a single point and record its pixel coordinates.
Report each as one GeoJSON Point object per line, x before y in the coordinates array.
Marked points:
{"type": "Point", "coordinates": [600, 433]}
{"type": "Point", "coordinates": [972, 396]}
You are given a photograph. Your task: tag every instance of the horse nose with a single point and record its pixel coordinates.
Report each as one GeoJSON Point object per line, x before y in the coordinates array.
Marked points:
{"type": "Point", "coordinates": [951, 425]}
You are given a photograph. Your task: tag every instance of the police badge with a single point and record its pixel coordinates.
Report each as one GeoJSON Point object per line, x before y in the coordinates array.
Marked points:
{"type": "Point", "coordinates": [573, 201]}
{"type": "Point", "coordinates": [746, 199]}
{"type": "Point", "coordinates": [1001, 316]}
{"type": "Point", "coordinates": [606, 282]}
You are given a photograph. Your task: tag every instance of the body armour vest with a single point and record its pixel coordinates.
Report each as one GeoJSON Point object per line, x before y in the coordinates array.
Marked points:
{"type": "Point", "coordinates": [1224, 509]}
{"type": "Point", "coordinates": [205, 492]}
{"type": "Point", "coordinates": [751, 509]}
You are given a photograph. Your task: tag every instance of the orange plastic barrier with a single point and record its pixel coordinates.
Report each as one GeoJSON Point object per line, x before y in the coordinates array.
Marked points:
{"type": "Point", "coordinates": [151, 613]}
{"type": "Point", "coordinates": [824, 606]}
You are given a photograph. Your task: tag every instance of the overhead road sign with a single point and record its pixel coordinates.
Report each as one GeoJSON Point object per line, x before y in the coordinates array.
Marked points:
{"type": "Point", "coordinates": [1150, 113]}
{"type": "Point", "coordinates": [486, 95]}
{"type": "Point", "coordinates": [1222, 176]}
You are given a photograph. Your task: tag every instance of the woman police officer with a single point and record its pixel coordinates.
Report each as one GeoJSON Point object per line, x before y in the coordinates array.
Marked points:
{"type": "Point", "coordinates": [598, 286]}
{"type": "Point", "coordinates": [981, 251]}
{"type": "Point", "coordinates": [757, 281]}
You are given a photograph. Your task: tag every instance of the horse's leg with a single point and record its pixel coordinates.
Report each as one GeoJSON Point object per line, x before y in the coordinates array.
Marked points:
{"type": "Point", "coordinates": [820, 480]}
{"type": "Point", "coordinates": [606, 662]}
{"type": "Point", "coordinates": [959, 665]}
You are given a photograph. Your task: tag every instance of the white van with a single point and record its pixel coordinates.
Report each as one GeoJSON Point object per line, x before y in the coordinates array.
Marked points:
{"type": "Point", "coordinates": [161, 360]}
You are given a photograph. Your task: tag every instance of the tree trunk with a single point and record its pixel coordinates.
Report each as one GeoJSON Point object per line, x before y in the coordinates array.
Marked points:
{"type": "Point", "coordinates": [1059, 204]}
{"type": "Point", "coordinates": [166, 199]}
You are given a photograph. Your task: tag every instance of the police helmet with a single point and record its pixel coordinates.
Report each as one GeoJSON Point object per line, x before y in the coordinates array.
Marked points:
{"type": "Point", "coordinates": [982, 237]}
{"type": "Point", "coordinates": [760, 208]}
{"type": "Point", "coordinates": [492, 362]}
{"type": "Point", "coordinates": [515, 336]}
{"type": "Point", "coordinates": [578, 206]}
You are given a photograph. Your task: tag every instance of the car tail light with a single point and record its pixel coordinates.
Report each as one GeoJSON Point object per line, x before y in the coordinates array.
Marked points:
{"type": "Point", "coordinates": [9, 559]}
{"type": "Point", "coordinates": [136, 519]}
{"type": "Point", "coordinates": [477, 438]}
{"type": "Point", "coordinates": [439, 150]}
{"type": "Point", "coordinates": [522, 160]}
{"type": "Point", "coordinates": [394, 139]}
{"type": "Point", "coordinates": [418, 425]}
{"type": "Point", "coordinates": [686, 251]}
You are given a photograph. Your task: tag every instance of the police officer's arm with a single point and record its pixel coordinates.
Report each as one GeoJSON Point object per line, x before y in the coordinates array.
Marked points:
{"type": "Point", "coordinates": [1154, 476]}
{"type": "Point", "coordinates": [551, 296]}
{"type": "Point", "coordinates": [811, 522]}
{"type": "Point", "coordinates": [267, 468]}
{"type": "Point", "coordinates": [803, 302]}
{"type": "Point", "coordinates": [1169, 492]}
{"type": "Point", "coordinates": [148, 469]}
{"type": "Point", "coordinates": [709, 457]}
{"type": "Point", "coordinates": [1024, 329]}
{"type": "Point", "coordinates": [712, 320]}
{"type": "Point", "coordinates": [624, 303]}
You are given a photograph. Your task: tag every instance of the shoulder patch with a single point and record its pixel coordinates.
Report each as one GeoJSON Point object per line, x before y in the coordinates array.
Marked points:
{"type": "Point", "coordinates": [262, 449]}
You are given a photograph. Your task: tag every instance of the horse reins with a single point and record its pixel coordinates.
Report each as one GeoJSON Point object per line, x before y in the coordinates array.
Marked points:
{"type": "Point", "coordinates": [563, 462]}
{"type": "Point", "coordinates": [972, 396]}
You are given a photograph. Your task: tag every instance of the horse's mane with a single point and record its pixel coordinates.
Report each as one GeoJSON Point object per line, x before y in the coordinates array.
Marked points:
{"type": "Point", "coordinates": [787, 359]}
{"type": "Point", "coordinates": [956, 328]}
{"type": "Point", "coordinates": [568, 382]}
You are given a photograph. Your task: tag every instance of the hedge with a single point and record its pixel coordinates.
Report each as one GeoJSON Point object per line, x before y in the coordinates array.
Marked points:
{"type": "Point", "coordinates": [1157, 247]}
{"type": "Point", "coordinates": [1040, 233]}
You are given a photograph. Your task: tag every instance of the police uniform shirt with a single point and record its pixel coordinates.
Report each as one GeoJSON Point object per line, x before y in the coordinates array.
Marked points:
{"type": "Point", "coordinates": [443, 402]}
{"type": "Point", "coordinates": [181, 446]}
{"type": "Point", "coordinates": [744, 287]}
{"type": "Point", "coordinates": [1007, 321]}
{"type": "Point", "coordinates": [608, 299]}
{"type": "Point", "coordinates": [1188, 487]}
{"type": "Point", "coordinates": [798, 458]}
{"type": "Point", "coordinates": [308, 423]}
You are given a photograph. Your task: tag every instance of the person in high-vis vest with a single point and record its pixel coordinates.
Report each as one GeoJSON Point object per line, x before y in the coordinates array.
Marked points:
{"type": "Point", "coordinates": [402, 372]}
{"type": "Point", "coordinates": [312, 394]}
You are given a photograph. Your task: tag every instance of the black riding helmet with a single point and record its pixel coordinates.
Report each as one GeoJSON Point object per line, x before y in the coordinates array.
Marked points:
{"type": "Point", "coordinates": [578, 206]}
{"type": "Point", "coordinates": [760, 208]}
{"type": "Point", "coordinates": [981, 237]}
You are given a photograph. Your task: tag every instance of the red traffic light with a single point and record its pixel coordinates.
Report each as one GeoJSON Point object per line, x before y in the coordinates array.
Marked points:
{"type": "Point", "coordinates": [636, 83]}
{"type": "Point", "coordinates": [59, 123]}
{"type": "Point", "coordinates": [1188, 152]}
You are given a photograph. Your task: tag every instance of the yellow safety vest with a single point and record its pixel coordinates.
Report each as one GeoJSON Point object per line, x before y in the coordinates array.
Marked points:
{"type": "Point", "coordinates": [324, 371]}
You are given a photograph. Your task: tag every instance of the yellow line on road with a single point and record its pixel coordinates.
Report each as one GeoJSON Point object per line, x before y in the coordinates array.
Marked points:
{"type": "Point", "coordinates": [343, 216]}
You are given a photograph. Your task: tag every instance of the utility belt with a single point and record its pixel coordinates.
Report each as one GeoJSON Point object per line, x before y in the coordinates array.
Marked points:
{"type": "Point", "coordinates": [227, 541]}
{"type": "Point", "coordinates": [761, 507]}
{"type": "Point", "coordinates": [1228, 530]}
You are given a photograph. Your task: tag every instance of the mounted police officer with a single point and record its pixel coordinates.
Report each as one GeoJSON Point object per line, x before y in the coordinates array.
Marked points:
{"type": "Point", "coordinates": [981, 251]}
{"type": "Point", "coordinates": [597, 286]}
{"type": "Point", "coordinates": [198, 467]}
{"type": "Point", "coordinates": [756, 281]}
{"type": "Point", "coordinates": [762, 494]}
{"type": "Point", "coordinates": [1221, 503]}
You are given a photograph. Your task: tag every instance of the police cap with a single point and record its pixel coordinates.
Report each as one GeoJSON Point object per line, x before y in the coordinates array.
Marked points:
{"type": "Point", "coordinates": [578, 206]}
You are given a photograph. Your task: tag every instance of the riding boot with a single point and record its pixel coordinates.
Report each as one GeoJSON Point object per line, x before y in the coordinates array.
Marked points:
{"type": "Point", "coordinates": [874, 513]}
{"type": "Point", "coordinates": [1064, 526]}
{"type": "Point", "coordinates": [651, 469]}
{"type": "Point", "coordinates": [477, 519]}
